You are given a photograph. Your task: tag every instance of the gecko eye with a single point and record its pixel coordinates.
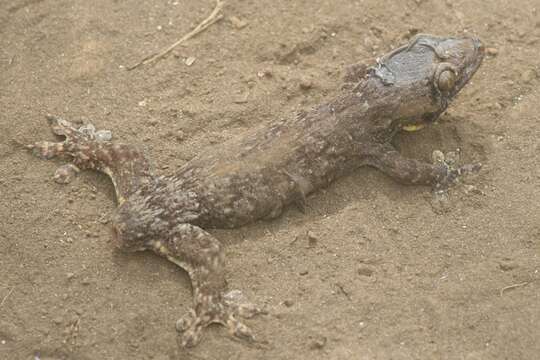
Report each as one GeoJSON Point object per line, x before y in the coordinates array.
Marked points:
{"type": "Point", "coordinates": [446, 80]}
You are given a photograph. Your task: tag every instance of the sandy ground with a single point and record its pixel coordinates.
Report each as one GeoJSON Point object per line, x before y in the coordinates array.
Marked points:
{"type": "Point", "coordinates": [385, 276]}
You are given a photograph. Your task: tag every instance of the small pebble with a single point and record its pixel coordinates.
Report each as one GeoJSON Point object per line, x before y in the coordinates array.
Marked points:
{"type": "Point", "coordinates": [238, 23]}
{"type": "Point", "coordinates": [318, 343]}
{"type": "Point", "coordinates": [264, 73]}
{"type": "Point", "coordinates": [312, 239]}
{"type": "Point", "coordinates": [492, 51]}
{"type": "Point", "coordinates": [190, 60]}
{"type": "Point", "coordinates": [288, 303]}
{"type": "Point", "coordinates": [70, 275]}
{"type": "Point", "coordinates": [306, 84]}
{"type": "Point", "coordinates": [180, 136]}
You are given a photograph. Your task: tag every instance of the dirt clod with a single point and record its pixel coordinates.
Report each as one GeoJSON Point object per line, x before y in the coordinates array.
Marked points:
{"type": "Point", "coordinates": [529, 75]}
{"type": "Point", "coordinates": [318, 343]}
{"type": "Point", "coordinates": [288, 303]}
{"type": "Point", "coordinates": [364, 271]}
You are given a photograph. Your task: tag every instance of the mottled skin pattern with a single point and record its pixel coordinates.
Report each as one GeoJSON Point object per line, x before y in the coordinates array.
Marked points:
{"type": "Point", "coordinates": [258, 175]}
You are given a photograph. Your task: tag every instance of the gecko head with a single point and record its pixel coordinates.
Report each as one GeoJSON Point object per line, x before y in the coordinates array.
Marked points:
{"type": "Point", "coordinates": [427, 74]}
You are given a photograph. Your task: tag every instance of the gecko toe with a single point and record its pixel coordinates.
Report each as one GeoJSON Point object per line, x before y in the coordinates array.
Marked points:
{"type": "Point", "coordinates": [192, 335]}
{"type": "Point", "coordinates": [190, 326]}
{"type": "Point", "coordinates": [46, 149]}
{"type": "Point", "coordinates": [68, 130]}
{"type": "Point", "coordinates": [454, 172]}
{"type": "Point", "coordinates": [61, 127]}
{"type": "Point", "coordinates": [240, 305]}
{"type": "Point", "coordinates": [185, 322]}
{"type": "Point", "coordinates": [66, 173]}
{"type": "Point", "coordinates": [240, 330]}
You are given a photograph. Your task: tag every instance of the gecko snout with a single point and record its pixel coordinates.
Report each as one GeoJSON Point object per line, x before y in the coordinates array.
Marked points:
{"type": "Point", "coordinates": [478, 45]}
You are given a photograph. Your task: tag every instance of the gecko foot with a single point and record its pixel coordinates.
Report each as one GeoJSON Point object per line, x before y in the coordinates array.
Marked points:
{"type": "Point", "coordinates": [454, 172]}
{"type": "Point", "coordinates": [74, 144]}
{"type": "Point", "coordinates": [88, 131]}
{"type": "Point", "coordinates": [73, 135]}
{"type": "Point", "coordinates": [234, 304]}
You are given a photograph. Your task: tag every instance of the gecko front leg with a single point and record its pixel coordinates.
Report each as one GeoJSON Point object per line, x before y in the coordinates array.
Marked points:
{"type": "Point", "coordinates": [440, 173]}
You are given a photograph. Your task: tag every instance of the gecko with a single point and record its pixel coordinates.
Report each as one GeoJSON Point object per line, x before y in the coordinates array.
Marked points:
{"type": "Point", "coordinates": [257, 175]}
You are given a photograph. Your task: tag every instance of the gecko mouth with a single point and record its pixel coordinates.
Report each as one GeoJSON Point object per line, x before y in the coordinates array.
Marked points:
{"type": "Point", "coordinates": [413, 127]}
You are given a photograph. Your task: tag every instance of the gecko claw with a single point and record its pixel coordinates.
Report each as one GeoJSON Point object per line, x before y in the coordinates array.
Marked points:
{"type": "Point", "coordinates": [238, 302]}
{"type": "Point", "coordinates": [239, 330]}
{"type": "Point", "coordinates": [191, 331]}
{"type": "Point", "coordinates": [185, 322]}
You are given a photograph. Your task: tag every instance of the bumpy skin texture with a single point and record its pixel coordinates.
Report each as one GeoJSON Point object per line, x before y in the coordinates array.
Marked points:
{"type": "Point", "coordinates": [256, 176]}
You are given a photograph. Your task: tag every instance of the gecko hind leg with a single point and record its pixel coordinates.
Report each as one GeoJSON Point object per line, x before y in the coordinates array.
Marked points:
{"type": "Point", "coordinates": [202, 256]}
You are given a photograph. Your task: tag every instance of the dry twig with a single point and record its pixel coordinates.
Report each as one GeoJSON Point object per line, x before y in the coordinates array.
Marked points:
{"type": "Point", "coordinates": [513, 286]}
{"type": "Point", "coordinates": [214, 17]}
{"type": "Point", "coordinates": [5, 297]}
